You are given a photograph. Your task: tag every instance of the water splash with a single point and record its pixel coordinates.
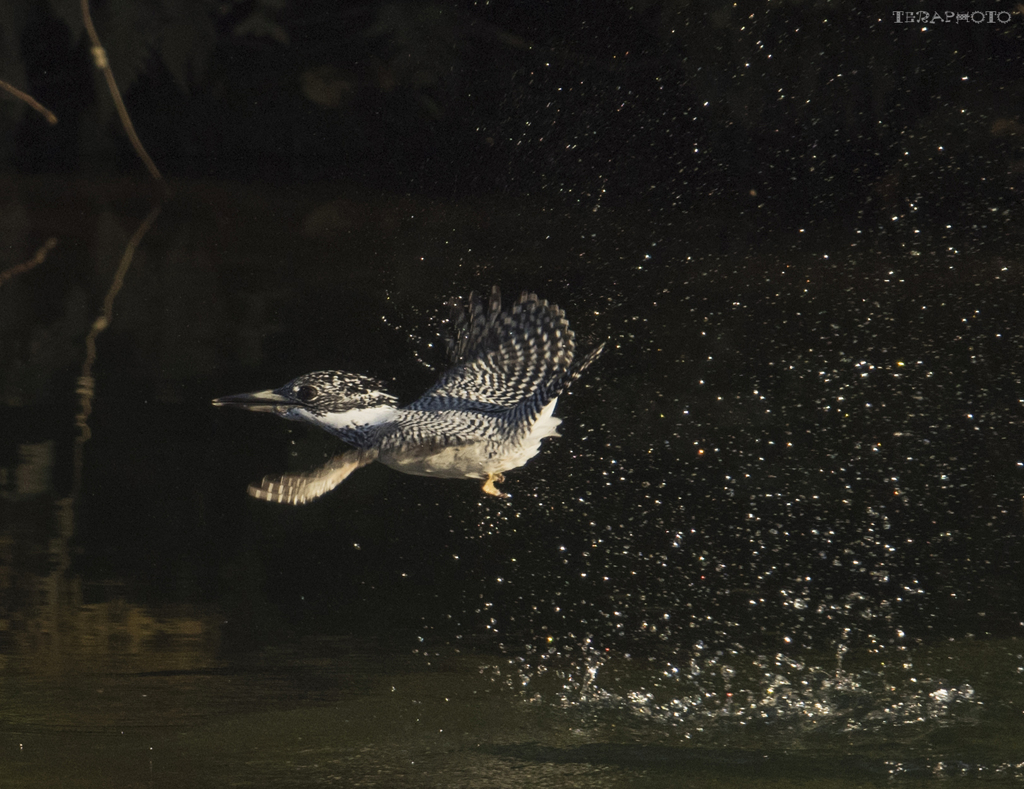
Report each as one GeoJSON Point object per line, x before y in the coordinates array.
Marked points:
{"type": "Point", "coordinates": [722, 689]}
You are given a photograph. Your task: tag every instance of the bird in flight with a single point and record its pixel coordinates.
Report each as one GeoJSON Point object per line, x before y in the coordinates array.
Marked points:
{"type": "Point", "coordinates": [486, 415]}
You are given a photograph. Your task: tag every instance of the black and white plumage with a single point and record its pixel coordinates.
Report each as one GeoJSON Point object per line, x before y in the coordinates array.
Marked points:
{"type": "Point", "coordinates": [486, 415]}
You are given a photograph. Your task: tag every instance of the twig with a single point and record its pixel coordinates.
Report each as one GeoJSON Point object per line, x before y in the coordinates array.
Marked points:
{"type": "Point", "coordinates": [29, 264]}
{"type": "Point", "coordinates": [99, 56]}
{"type": "Point", "coordinates": [86, 385]}
{"type": "Point", "coordinates": [50, 117]}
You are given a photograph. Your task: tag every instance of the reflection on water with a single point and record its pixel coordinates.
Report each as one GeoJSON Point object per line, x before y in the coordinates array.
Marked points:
{"type": "Point", "coordinates": [778, 541]}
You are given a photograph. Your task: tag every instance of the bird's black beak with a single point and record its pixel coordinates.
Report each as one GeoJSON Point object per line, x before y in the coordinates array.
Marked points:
{"type": "Point", "coordinates": [268, 401]}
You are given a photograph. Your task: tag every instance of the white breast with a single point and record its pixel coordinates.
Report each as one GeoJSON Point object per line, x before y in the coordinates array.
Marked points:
{"type": "Point", "coordinates": [468, 460]}
{"type": "Point", "coordinates": [478, 459]}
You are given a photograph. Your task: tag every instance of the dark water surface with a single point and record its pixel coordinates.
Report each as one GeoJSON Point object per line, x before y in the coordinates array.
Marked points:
{"type": "Point", "coordinates": [778, 544]}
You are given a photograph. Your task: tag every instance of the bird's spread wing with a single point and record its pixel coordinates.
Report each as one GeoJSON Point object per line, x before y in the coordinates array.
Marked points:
{"type": "Point", "coordinates": [501, 358]}
{"type": "Point", "coordinates": [300, 488]}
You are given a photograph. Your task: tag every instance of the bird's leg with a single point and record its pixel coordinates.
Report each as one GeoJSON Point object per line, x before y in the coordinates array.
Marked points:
{"type": "Point", "coordinates": [489, 485]}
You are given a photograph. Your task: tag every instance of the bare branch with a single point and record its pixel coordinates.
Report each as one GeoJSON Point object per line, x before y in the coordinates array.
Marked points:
{"type": "Point", "coordinates": [99, 56]}
{"type": "Point", "coordinates": [86, 384]}
{"type": "Point", "coordinates": [31, 263]}
{"type": "Point", "coordinates": [50, 117]}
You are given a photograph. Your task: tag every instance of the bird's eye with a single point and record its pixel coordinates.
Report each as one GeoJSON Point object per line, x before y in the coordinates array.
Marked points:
{"type": "Point", "coordinates": [306, 392]}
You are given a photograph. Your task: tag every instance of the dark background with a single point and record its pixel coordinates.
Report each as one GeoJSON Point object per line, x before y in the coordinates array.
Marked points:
{"type": "Point", "coordinates": [820, 112]}
{"type": "Point", "coordinates": [659, 164]}
{"type": "Point", "coordinates": [742, 199]}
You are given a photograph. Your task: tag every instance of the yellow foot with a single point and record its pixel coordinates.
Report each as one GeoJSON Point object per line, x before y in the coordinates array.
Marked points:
{"type": "Point", "coordinates": [489, 485]}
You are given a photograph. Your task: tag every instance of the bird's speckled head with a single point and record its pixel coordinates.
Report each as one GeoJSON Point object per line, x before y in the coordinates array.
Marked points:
{"type": "Point", "coordinates": [315, 396]}
{"type": "Point", "coordinates": [332, 391]}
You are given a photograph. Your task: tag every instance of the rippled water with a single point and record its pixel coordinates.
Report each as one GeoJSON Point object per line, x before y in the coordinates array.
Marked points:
{"type": "Point", "coordinates": [778, 542]}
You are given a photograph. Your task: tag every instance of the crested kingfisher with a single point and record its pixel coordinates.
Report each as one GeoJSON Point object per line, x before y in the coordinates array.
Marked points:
{"type": "Point", "coordinates": [486, 415]}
